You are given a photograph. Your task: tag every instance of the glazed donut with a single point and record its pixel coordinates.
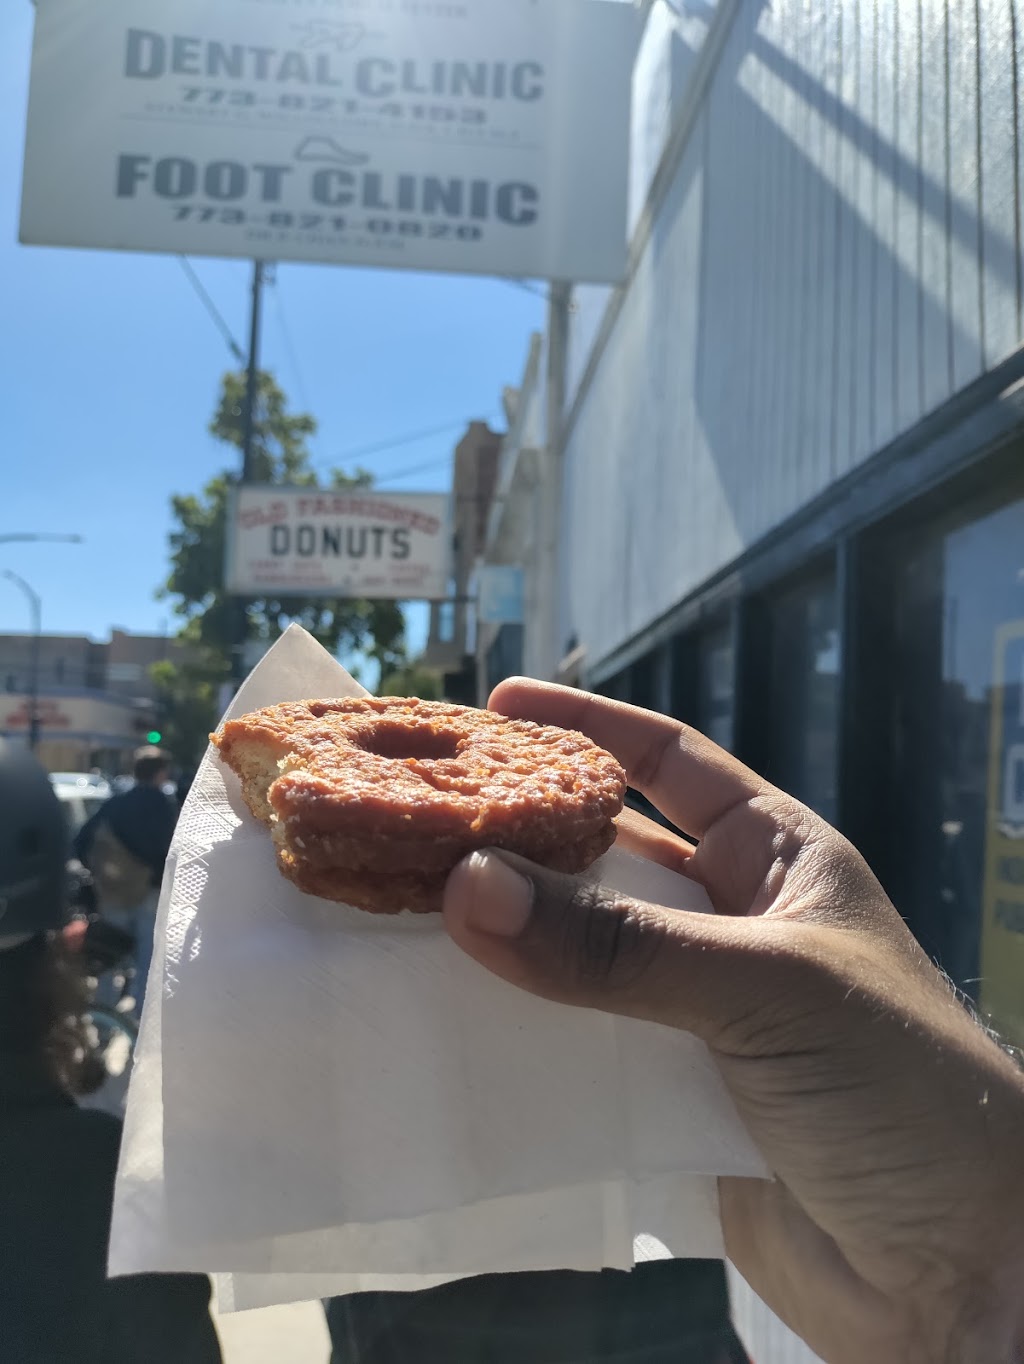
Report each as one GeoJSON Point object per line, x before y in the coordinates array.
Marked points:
{"type": "Point", "coordinates": [372, 801]}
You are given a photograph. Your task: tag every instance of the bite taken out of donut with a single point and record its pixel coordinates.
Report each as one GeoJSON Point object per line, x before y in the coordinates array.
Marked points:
{"type": "Point", "coordinates": [372, 801]}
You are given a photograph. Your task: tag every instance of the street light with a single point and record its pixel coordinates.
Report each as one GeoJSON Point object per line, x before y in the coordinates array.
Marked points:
{"type": "Point", "coordinates": [23, 536]}
{"type": "Point", "coordinates": [36, 608]}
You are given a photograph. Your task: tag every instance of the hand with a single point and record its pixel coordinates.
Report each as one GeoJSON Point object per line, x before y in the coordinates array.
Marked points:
{"type": "Point", "coordinates": [894, 1231]}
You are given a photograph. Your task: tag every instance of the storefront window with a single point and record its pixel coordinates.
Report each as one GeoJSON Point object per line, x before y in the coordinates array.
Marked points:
{"type": "Point", "coordinates": [957, 847]}
{"type": "Point", "coordinates": [803, 713]}
{"type": "Point", "coordinates": [505, 656]}
{"type": "Point", "coordinates": [716, 684]}
{"type": "Point", "coordinates": [616, 687]}
{"type": "Point", "coordinates": [981, 886]}
{"type": "Point", "coordinates": [643, 682]}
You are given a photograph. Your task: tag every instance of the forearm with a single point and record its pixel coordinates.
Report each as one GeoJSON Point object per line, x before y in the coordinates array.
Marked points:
{"type": "Point", "coordinates": [990, 1329]}
{"type": "Point", "coordinates": [988, 1324]}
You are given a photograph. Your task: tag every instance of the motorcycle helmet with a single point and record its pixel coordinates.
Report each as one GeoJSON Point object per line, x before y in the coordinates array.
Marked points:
{"type": "Point", "coordinates": [33, 849]}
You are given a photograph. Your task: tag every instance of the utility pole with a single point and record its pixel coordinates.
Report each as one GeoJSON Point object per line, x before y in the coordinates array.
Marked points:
{"type": "Point", "coordinates": [248, 431]}
{"type": "Point", "coordinates": [252, 371]}
{"type": "Point", "coordinates": [544, 652]}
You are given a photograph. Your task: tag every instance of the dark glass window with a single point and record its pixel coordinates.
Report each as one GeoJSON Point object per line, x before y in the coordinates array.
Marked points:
{"type": "Point", "coordinates": [683, 679]}
{"type": "Point", "coordinates": [959, 741]}
{"type": "Point", "coordinates": [505, 656]}
{"type": "Point", "coordinates": [649, 682]}
{"type": "Point", "coordinates": [617, 686]}
{"type": "Point", "coordinates": [803, 712]}
{"type": "Point", "coordinates": [716, 684]}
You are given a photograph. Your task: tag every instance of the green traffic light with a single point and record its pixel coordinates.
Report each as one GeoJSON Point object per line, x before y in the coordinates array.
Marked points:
{"type": "Point", "coordinates": [154, 736]}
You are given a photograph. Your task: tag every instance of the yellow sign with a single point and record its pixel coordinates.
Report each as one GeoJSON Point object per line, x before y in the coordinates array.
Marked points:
{"type": "Point", "coordinates": [1002, 933]}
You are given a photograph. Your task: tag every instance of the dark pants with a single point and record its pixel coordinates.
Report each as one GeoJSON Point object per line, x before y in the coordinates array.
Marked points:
{"type": "Point", "coordinates": [668, 1312]}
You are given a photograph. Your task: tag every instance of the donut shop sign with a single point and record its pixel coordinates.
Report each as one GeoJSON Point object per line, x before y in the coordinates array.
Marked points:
{"type": "Point", "coordinates": [317, 543]}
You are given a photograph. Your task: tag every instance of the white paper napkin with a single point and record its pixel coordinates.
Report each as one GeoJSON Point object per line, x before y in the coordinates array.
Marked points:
{"type": "Point", "coordinates": [325, 1100]}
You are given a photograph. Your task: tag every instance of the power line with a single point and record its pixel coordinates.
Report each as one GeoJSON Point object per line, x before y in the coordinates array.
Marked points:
{"type": "Point", "coordinates": [394, 443]}
{"type": "Point", "coordinates": [414, 469]}
{"type": "Point", "coordinates": [211, 308]}
{"type": "Point", "coordinates": [528, 288]}
{"type": "Point", "coordinates": [289, 348]}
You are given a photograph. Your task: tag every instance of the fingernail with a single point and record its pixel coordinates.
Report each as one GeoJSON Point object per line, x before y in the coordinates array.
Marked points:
{"type": "Point", "coordinates": [500, 900]}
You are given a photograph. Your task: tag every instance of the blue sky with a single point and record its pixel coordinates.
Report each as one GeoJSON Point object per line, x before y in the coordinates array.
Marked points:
{"type": "Point", "coordinates": [110, 369]}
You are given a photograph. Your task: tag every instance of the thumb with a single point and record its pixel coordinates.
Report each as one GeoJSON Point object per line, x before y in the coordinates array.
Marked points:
{"type": "Point", "coordinates": [569, 939]}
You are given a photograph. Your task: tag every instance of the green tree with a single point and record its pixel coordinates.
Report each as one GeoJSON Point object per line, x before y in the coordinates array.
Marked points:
{"type": "Point", "coordinates": [211, 620]}
{"type": "Point", "coordinates": [412, 679]}
{"type": "Point", "coordinates": [187, 701]}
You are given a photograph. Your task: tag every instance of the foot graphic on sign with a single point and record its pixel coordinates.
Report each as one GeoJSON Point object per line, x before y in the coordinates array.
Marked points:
{"type": "Point", "coordinates": [326, 149]}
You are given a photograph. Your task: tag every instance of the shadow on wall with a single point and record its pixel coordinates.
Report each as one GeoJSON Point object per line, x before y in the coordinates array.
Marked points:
{"type": "Point", "coordinates": [821, 275]}
{"type": "Point", "coordinates": [829, 315]}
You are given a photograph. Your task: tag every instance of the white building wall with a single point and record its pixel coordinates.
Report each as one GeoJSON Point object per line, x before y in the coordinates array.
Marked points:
{"type": "Point", "coordinates": [838, 253]}
{"type": "Point", "coordinates": [636, 449]}
{"type": "Point", "coordinates": [665, 63]}
{"type": "Point", "coordinates": [514, 518]}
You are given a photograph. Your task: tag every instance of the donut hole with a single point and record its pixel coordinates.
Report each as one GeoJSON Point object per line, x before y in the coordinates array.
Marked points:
{"type": "Point", "coordinates": [399, 742]}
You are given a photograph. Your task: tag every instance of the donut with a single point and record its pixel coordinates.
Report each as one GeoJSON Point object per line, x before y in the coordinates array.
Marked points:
{"type": "Point", "coordinates": [372, 801]}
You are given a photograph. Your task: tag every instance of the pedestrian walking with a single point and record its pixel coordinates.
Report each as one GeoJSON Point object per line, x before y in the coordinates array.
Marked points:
{"type": "Point", "coordinates": [125, 846]}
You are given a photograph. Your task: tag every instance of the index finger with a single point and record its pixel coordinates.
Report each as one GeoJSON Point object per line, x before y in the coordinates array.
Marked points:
{"type": "Point", "coordinates": [689, 778]}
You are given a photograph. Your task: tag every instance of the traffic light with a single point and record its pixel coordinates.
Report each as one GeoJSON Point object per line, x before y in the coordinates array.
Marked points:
{"type": "Point", "coordinates": [154, 737]}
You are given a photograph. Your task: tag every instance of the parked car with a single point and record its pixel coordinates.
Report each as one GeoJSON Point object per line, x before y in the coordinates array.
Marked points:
{"type": "Point", "coordinates": [81, 794]}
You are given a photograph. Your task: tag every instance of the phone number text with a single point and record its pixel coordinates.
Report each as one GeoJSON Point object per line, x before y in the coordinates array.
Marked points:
{"type": "Point", "coordinates": [330, 222]}
{"type": "Point", "coordinates": [205, 96]}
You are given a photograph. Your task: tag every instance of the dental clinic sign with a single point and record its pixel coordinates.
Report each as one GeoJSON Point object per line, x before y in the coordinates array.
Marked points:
{"type": "Point", "coordinates": [479, 136]}
{"type": "Point", "coordinates": [306, 542]}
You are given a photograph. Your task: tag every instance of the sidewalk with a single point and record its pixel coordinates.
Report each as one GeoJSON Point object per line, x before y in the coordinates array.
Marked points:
{"type": "Point", "coordinates": [293, 1334]}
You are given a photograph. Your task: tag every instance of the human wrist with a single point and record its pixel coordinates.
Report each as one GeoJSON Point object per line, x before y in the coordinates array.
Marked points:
{"type": "Point", "coordinates": [985, 1347]}
{"type": "Point", "coordinates": [991, 1329]}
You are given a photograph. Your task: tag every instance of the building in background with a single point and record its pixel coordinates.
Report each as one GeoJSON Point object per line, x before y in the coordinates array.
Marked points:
{"type": "Point", "coordinates": [511, 529]}
{"type": "Point", "coordinates": [449, 648]}
{"type": "Point", "coordinates": [97, 701]}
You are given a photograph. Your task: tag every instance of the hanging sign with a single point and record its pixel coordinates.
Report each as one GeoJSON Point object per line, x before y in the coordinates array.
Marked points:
{"type": "Point", "coordinates": [500, 589]}
{"type": "Point", "coordinates": [301, 542]}
{"type": "Point", "coordinates": [479, 136]}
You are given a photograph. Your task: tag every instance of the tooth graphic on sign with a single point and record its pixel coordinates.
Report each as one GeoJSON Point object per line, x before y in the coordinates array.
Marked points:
{"type": "Point", "coordinates": [322, 33]}
{"type": "Point", "coordinates": [326, 149]}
